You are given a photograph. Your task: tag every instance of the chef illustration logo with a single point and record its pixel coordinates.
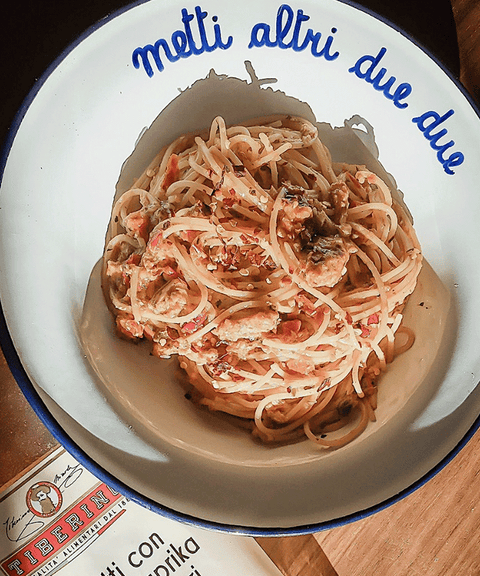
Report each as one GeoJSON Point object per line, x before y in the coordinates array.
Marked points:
{"type": "Point", "coordinates": [44, 499]}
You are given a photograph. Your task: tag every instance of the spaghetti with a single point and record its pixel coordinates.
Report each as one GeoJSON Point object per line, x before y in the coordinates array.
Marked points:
{"type": "Point", "coordinates": [277, 276]}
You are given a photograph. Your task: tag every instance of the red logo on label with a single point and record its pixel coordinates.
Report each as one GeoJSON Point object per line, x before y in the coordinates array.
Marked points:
{"type": "Point", "coordinates": [71, 531]}
{"type": "Point", "coordinates": [44, 499]}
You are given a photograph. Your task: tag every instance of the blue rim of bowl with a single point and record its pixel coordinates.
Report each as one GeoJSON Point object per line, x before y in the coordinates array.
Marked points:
{"type": "Point", "coordinates": [81, 456]}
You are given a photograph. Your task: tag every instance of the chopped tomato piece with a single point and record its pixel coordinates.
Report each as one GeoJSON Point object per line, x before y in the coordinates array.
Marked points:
{"type": "Point", "coordinates": [229, 202]}
{"type": "Point", "coordinates": [289, 331]}
{"type": "Point", "coordinates": [155, 240]}
{"type": "Point", "coordinates": [365, 331]}
{"type": "Point", "coordinates": [137, 223]}
{"type": "Point", "coordinates": [171, 174]}
{"type": "Point", "coordinates": [194, 324]}
{"type": "Point", "coordinates": [189, 327]}
{"type": "Point", "coordinates": [134, 259]}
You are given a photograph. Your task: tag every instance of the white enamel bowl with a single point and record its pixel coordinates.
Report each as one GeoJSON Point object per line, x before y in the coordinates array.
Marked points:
{"type": "Point", "coordinates": [119, 410]}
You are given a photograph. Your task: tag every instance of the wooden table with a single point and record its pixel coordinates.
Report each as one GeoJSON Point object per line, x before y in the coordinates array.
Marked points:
{"type": "Point", "coordinates": [433, 532]}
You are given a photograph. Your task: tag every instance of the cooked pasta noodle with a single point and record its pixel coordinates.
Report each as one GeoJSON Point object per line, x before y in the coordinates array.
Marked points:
{"type": "Point", "coordinates": [277, 276]}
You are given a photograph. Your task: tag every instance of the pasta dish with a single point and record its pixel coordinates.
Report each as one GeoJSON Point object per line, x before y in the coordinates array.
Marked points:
{"type": "Point", "coordinates": [277, 276]}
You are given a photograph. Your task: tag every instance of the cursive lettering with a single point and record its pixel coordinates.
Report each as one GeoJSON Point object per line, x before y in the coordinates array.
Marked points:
{"type": "Point", "coordinates": [22, 527]}
{"type": "Point", "coordinates": [428, 123]}
{"type": "Point", "coordinates": [68, 477]}
{"type": "Point", "coordinates": [261, 34]}
{"type": "Point", "coordinates": [182, 43]}
{"type": "Point", "coordinates": [374, 77]}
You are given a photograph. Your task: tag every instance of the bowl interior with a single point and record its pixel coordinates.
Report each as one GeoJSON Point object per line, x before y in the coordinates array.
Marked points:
{"type": "Point", "coordinates": [149, 391]}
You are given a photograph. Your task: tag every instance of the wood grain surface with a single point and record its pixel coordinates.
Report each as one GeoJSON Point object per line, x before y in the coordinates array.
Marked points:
{"type": "Point", "coordinates": [467, 19]}
{"type": "Point", "coordinates": [433, 532]}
